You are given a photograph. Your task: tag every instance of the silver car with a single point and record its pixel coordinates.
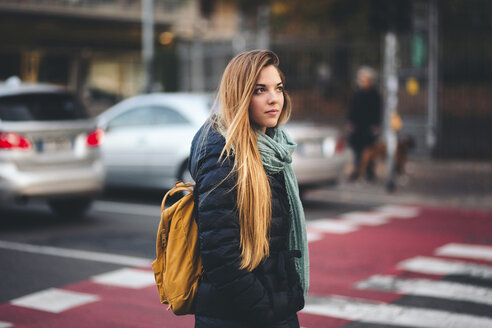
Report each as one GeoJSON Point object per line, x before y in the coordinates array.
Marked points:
{"type": "Point", "coordinates": [49, 148]}
{"type": "Point", "coordinates": [148, 138]}
{"type": "Point", "coordinates": [321, 156]}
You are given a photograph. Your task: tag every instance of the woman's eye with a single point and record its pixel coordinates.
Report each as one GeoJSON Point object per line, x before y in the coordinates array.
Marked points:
{"type": "Point", "coordinates": [280, 89]}
{"type": "Point", "coordinates": [259, 90]}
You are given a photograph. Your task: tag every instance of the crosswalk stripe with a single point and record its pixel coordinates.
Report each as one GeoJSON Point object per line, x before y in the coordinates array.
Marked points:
{"type": "Point", "coordinates": [390, 314]}
{"type": "Point", "coordinates": [365, 218]}
{"type": "Point", "coordinates": [429, 265]}
{"type": "Point", "coordinates": [430, 288]}
{"type": "Point", "coordinates": [54, 300]}
{"type": "Point", "coordinates": [126, 277]}
{"type": "Point", "coordinates": [476, 252]}
{"type": "Point", "coordinates": [399, 212]}
{"type": "Point", "coordinates": [330, 226]}
{"type": "Point", "coordinates": [350, 222]}
{"type": "Point", "coordinates": [313, 236]}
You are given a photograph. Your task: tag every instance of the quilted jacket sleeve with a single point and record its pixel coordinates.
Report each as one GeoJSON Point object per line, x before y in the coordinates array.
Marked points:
{"type": "Point", "coordinates": [219, 242]}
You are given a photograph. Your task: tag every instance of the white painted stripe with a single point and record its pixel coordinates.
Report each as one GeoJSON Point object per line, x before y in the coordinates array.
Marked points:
{"type": "Point", "coordinates": [364, 215]}
{"type": "Point", "coordinates": [127, 278]}
{"type": "Point", "coordinates": [429, 265]}
{"type": "Point", "coordinates": [330, 226]}
{"type": "Point", "coordinates": [365, 218]}
{"type": "Point", "coordinates": [54, 300]}
{"type": "Point", "coordinates": [312, 236]}
{"type": "Point", "coordinates": [477, 252]}
{"type": "Point", "coordinates": [399, 212]}
{"type": "Point", "coordinates": [350, 221]}
{"type": "Point", "coordinates": [4, 324]}
{"type": "Point", "coordinates": [430, 288]}
{"type": "Point", "coordinates": [125, 208]}
{"type": "Point", "coordinates": [390, 314]}
{"type": "Point", "coordinates": [76, 254]}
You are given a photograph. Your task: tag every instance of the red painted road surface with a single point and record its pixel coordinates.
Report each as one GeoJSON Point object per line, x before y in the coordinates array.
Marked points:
{"type": "Point", "coordinates": [338, 261]}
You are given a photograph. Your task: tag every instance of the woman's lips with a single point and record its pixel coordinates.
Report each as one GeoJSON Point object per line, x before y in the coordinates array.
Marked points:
{"type": "Point", "coordinates": [272, 112]}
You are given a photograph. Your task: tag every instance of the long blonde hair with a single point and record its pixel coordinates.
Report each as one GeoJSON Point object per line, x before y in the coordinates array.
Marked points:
{"type": "Point", "coordinates": [253, 189]}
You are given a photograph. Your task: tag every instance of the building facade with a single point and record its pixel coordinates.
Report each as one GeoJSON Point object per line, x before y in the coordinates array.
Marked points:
{"type": "Point", "coordinates": [95, 48]}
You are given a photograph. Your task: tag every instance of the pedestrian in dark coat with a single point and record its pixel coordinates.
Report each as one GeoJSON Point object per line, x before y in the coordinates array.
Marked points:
{"type": "Point", "coordinates": [251, 224]}
{"type": "Point", "coordinates": [364, 119]}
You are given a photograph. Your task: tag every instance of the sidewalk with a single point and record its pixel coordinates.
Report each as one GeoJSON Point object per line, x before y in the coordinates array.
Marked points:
{"type": "Point", "coordinates": [427, 182]}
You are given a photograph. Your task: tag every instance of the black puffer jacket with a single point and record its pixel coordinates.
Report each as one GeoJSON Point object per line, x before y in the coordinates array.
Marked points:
{"type": "Point", "coordinates": [270, 295]}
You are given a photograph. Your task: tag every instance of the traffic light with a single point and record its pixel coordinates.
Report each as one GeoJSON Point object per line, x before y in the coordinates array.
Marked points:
{"type": "Point", "coordinates": [394, 15]}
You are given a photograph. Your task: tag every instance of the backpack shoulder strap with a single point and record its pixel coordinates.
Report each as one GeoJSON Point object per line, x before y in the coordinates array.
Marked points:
{"type": "Point", "coordinates": [178, 187]}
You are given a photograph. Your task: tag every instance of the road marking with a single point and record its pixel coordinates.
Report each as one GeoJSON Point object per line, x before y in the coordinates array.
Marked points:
{"type": "Point", "coordinates": [476, 252]}
{"type": "Point", "coordinates": [76, 254]}
{"type": "Point", "coordinates": [365, 218]}
{"type": "Point", "coordinates": [390, 314]}
{"type": "Point", "coordinates": [54, 300]}
{"type": "Point", "coordinates": [126, 277]}
{"type": "Point", "coordinates": [330, 226]}
{"type": "Point", "coordinates": [313, 236]}
{"type": "Point", "coordinates": [429, 265]}
{"type": "Point", "coordinates": [125, 208]}
{"type": "Point", "coordinates": [4, 324]}
{"type": "Point", "coordinates": [350, 222]}
{"type": "Point", "coordinates": [430, 288]}
{"type": "Point", "coordinates": [399, 212]}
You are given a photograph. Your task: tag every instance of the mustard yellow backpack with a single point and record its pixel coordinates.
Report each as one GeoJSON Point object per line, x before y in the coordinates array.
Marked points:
{"type": "Point", "coordinates": [178, 265]}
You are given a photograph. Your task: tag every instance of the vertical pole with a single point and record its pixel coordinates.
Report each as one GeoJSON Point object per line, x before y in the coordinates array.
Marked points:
{"type": "Point", "coordinates": [148, 43]}
{"type": "Point", "coordinates": [74, 74]}
{"type": "Point", "coordinates": [263, 36]}
{"type": "Point", "coordinates": [197, 63]}
{"type": "Point", "coordinates": [432, 94]}
{"type": "Point", "coordinates": [184, 65]}
{"type": "Point", "coordinates": [390, 104]}
{"type": "Point", "coordinates": [239, 42]}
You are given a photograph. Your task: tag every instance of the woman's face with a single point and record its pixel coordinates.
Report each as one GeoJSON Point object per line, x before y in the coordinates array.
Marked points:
{"type": "Point", "coordinates": [268, 99]}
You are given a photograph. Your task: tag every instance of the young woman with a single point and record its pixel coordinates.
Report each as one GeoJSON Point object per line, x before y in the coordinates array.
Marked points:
{"type": "Point", "coordinates": [251, 222]}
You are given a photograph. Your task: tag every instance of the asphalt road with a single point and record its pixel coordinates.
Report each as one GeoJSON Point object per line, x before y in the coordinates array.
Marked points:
{"type": "Point", "coordinates": [372, 265]}
{"type": "Point", "coordinates": [120, 223]}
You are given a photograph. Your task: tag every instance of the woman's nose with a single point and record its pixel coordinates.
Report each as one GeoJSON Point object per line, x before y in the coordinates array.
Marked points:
{"type": "Point", "coordinates": [273, 97]}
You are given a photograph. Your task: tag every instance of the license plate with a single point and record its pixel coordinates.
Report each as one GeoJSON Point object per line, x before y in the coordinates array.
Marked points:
{"type": "Point", "coordinates": [310, 148]}
{"type": "Point", "coordinates": [55, 145]}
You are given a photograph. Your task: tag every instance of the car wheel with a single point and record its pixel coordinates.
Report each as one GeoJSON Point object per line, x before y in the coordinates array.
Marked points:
{"type": "Point", "coordinates": [185, 174]}
{"type": "Point", "coordinates": [70, 207]}
{"type": "Point", "coordinates": [302, 193]}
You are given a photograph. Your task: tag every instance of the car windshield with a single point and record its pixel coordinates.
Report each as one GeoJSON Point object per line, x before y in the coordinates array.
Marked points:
{"type": "Point", "coordinates": [41, 107]}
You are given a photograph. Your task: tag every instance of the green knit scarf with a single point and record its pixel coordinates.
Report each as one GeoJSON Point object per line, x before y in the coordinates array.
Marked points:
{"type": "Point", "coordinates": [276, 154]}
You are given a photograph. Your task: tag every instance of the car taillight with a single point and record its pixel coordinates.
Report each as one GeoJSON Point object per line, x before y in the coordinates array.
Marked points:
{"type": "Point", "coordinates": [340, 145]}
{"type": "Point", "coordinates": [95, 138]}
{"type": "Point", "coordinates": [12, 140]}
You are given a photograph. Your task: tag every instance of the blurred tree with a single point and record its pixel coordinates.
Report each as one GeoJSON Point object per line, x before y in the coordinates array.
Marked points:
{"type": "Point", "coordinates": [206, 7]}
{"type": "Point", "coordinates": [395, 15]}
{"type": "Point", "coordinates": [318, 18]}
{"type": "Point", "coordinates": [342, 27]}
{"type": "Point", "coordinates": [250, 7]}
